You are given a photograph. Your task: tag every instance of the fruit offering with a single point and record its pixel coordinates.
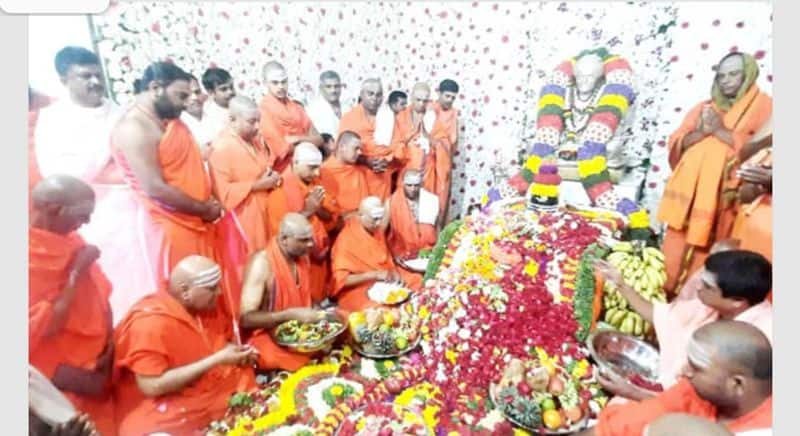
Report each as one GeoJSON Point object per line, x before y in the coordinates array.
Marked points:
{"type": "Point", "coordinates": [383, 419]}
{"type": "Point", "coordinates": [643, 269]}
{"type": "Point", "coordinates": [384, 331]}
{"type": "Point", "coordinates": [294, 332]}
{"type": "Point", "coordinates": [547, 397]}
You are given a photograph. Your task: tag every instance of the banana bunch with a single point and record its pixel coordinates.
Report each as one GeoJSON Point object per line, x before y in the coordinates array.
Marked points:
{"type": "Point", "coordinates": [643, 269]}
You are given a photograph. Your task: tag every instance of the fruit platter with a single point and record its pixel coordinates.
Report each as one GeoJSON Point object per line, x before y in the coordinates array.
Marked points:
{"type": "Point", "coordinates": [384, 333]}
{"type": "Point", "coordinates": [383, 419]}
{"type": "Point", "coordinates": [643, 269]}
{"type": "Point", "coordinates": [309, 337]}
{"type": "Point", "coordinates": [547, 397]}
{"type": "Point", "coordinates": [388, 293]}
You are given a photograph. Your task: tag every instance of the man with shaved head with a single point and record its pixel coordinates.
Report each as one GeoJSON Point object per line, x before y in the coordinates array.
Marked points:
{"type": "Point", "coordinates": [277, 288]}
{"type": "Point", "coordinates": [284, 122]}
{"type": "Point", "coordinates": [361, 257]}
{"type": "Point", "coordinates": [303, 194]}
{"type": "Point", "coordinates": [242, 175]}
{"type": "Point", "coordinates": [69, 317]}
{"type": "Point", "coordinates": [326, 110]}
{"type": "Point", "coordinates": [382, 160]}
{"type": "Point", "coordinates": [412, 128]}
{"type": "Point", "coordinates": [177, 361]}
{"type": "Point", "coordinates": [413, 217]}
{"type": "Point", "coordinates": [344, 180]}
{"type": "Point", "coordinates": [727, 379]}
{"type": "Point", "coordinates": [698, 205]}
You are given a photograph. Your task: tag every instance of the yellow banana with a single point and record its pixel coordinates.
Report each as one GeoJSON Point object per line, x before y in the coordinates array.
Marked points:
{"type": "Point", "coordinates": [616, 258]}
{"type": "Point", "coordinates": [626, 247]}
{"type": "Point", "coordinates": [627, 325]}
{"type": "Point", "coordinates": [655, 252]}
{"type": "Point", "coordinates": [610, 311]}
{"type": "Point", "coordinates": [618, 318]}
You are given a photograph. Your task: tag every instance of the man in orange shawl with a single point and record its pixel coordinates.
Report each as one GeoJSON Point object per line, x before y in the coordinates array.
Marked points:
{"type": "Point", "coordinates": [343, 179]}
{"type": "Point", "coordinates": [382, 160]}
{"type": "Point", "coordinates": [303, 194]}
{"type": "Point", "coordinates": [277, 288]}
{"type": "Point", "coordinates": [242, 175]}
{"type": "Point", "coordinates": [728, 379]}
{"type": "Point", "coordinates": [163, 165]}
{"type": "Point", "coordinates": [284, 122]}
{"type": "Point", "coordinates": [413, 213]}
{"type": "Point", "coordinates": [69, 317]}
{"type": "Point", "coordinates": [698, 205]}
{"type": "Point", "coordinates": [361, 257]}
{"type": "Point", "coordinates": [410, 132]}
{"type": "Point", "coordinates": [444, 139]}
{"type": "Point", "coordinates": [753, 226]}
{"type": "Point", "coordinates": [176, 366]}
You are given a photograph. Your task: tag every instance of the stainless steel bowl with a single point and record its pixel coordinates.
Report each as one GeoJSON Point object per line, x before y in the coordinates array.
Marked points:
{"type": "Point", "coordinates": [314, 346]}
{"type": "Point", "coordinates": [624, 355]}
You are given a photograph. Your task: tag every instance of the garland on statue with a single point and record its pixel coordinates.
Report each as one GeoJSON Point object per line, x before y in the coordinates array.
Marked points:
{"type": "Point", "coordinates": [539, 175]}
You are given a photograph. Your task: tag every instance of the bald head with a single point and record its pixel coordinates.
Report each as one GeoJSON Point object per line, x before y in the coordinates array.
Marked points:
{"type": "Point", "coordinates": [588, 72]}
{"type": "Point", "coordinates": [194, 282]}
{"type": "Point", "coordinates": [61, 204]}
{"type": "Point", "coordinates": [412, 183]}
{"type": "Point", "coordinates": [738, 345]}
{"type": "Point", "coordinates": [371, 95]}
{"type": "Point", "coordinates": [245, 117]}
{"type": "Point", "coordinates": [306, 153]}
{"type": "Point", "coordinates": [371, 213]}
{"type": "Point", "coordinates": [277, 80]}
{"type": "Point", "coordinates": [679, 424]}
{"type": "Point", "coordinates": [420, 97]}
{"type": "Point", "coordinates": [295, 235]}
{"type": "Point", "coordinates": [348, 147]}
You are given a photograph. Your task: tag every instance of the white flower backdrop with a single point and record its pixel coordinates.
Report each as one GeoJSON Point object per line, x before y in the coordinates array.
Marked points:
{"type": "Point", "coordinates": [499, 53]}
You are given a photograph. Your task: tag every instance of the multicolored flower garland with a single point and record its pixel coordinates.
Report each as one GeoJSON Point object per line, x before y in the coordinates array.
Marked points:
{"type": "Point", "coordinates": [539, 176]}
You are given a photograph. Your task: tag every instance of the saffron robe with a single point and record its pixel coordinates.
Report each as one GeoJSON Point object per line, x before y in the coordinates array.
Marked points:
{"type": "Point", "coordinates": [409, 234]}
{"type": "Point", "coordinates": [346, 184]}
{"type": "Point", "coordinates": [281, 118]}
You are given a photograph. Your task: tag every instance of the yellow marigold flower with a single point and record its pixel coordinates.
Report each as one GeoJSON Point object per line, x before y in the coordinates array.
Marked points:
{"type": "Point", "coordinates": [532, 268]}
{"type": "Point", "coordinates": [451, 356]}
{"type": "Point", "coordinates": [423, 312]}
{"type": "Point", "coordinates": [388, 364]}
{"type": "Point", "coordinates": [337, 390]}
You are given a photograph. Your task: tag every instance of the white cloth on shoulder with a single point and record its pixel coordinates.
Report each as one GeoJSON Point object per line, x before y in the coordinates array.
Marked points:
{"type": "Point", "coordinates": [384, 125]}
{"type": "Point", "coordinates": [428, 207]}
{"type": "Point", "coordinates": [323, 116]}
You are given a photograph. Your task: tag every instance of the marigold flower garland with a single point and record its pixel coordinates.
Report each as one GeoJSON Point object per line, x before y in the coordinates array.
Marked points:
{"type": "Point", "coordinates": [539, 175]}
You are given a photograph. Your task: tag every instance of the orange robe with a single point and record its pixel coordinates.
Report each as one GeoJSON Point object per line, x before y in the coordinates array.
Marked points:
{"type": "Point", "coordinates": [406, 235]}
{"type": "Point", "coordinates": [753, 226]}
{"type": "Point", "coordinates": [698, 205]}
{"type": "Point", "coordinates": [157, 335]}
{"type": "Point", "coordinates": [235, 165]}
{"type": "Point", "coordinates": [286, 294]}
{"type": "Point", "coordinates": [346, 184]}
{"type": "Point", "coordinates": [631, 418]}
{"type": "Point", "coordinates": [360, 122]}
{"type": "Point", "coordinates": [404, 137]}
{"type": "Point", "coordinates": [357, 251]}
{"type": "Point", "coordinates": [444, 138]}
{"type": "Point", "coordinates": [278, 120]}
{"type": "Point", "coordinates": [87, 330]}
{"type": "Point", "coordinates": [170, 236]}
{"type": "Point", "coordinates": [295, 192]}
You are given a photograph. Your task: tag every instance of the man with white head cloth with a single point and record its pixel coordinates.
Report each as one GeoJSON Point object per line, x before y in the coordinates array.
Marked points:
{"type": "Point", "coordinates": [361, 257]}
{"type": "Point", "coordinates": [284, 122]}
{"type": "Point", "coordinates": [413, 217]}
{"type": "Point", "coordinates": [177, 357]}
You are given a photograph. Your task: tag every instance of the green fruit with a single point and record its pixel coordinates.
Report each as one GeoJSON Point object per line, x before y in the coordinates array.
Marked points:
{"type": "Point", "coordinates": [401, 343]}
{"type": "Point", "coordinates": [548, 404]}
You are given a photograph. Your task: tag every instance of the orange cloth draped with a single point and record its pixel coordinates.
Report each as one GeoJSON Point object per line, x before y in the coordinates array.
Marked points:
{"type": "Point", "coordinates": [235, 165]}
{"type": "Point", "coordinates": [158, 335]}
{"type": "Point", "coordinates": [698, 202]}
{"type": "Point", "coordinates": [360, 122]}
{"type": "Point", "coordinates": [278, 120]}
{"type": "Point", "coordinates": [296, 192]}
{"type": "Point", "coordinates": [406, 235]}
{"type": "Point", "coordinates": [346, 184]}
{"type": "Point", "coordinates": [357, 251]}
{"type": "Point", "coordinates": [87, 329]}
{"type": "Point", "coordinates": [630, 419]}
{"type": "Point", "coordinates": [444, 138]}
{"type": "Point", "coordinates": [170, 236]}
{"type": "Point", "coordinates": [753, 226]}
{"type": "Point", "coordinates": [404, 137]}
{"type": "Point", "coordinates": [286, 294]}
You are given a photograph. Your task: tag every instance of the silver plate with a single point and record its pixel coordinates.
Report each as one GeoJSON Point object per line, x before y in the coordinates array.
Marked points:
{"type": "Point", "coordinates": [410, 348]}
{"type": "Point", "coordinates": [313, 347]}
{"type": "Point", "coordinates": [576, 427]}
{"type": "Point", "coordinates": [624, 355]}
